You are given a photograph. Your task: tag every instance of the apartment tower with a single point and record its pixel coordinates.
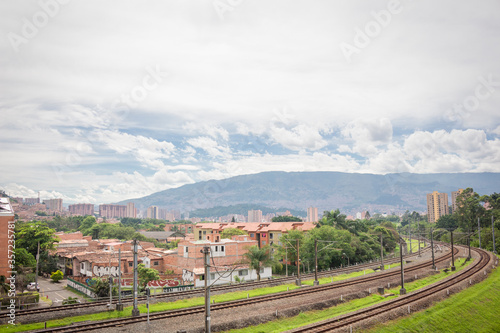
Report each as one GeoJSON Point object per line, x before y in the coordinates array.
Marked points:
{"type": "Point", "coordinates": [437, 205]}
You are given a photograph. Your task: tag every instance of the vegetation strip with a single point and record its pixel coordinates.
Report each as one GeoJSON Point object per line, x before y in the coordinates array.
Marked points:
{"type": "Point", "coordinates": [311, 317]}
{"type": "Point", "coordinates": [477, 307]}
{"type": "Point", "coordinates": [185, 303]}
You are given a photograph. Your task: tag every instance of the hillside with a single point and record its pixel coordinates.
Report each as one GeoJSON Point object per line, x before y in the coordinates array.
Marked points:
{"type": "Point", "coordinates": [350, 192]}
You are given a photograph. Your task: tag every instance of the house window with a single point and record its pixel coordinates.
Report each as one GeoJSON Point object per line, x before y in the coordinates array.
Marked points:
{"type": "Point", "coordinates": [263, 242]}
{"type": "Point", "coordinates": [243, 272]}
{"type": "Point", "coordinates": [216, 249]}
{"type": "Point", "coordinates": [130, 264]}
{"type": "Point", "coordinates": [185, 249]}
{"type": "Point", "coordinates": [83, 266]}
{"type": "Point", "coordinates": [212, 276]}
{"type": "Point", "coordinates": [261, 270]}
{"type": "Point", "coordinates": [222, 248]}
{"type": "Point", "coordinates": [252, 235]}
{"type": "Point", "coordinates": [155, 263]}
{"type": "Point", "coordinates": [270, 236]}
{"type": "Point", "coordinates": [204, 232]}
{"type": "Point", "coordinates": [199, 234]}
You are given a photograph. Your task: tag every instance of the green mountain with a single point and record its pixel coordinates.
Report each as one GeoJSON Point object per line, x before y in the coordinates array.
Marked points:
{"type": "Point", "coordinates": [350, 192]}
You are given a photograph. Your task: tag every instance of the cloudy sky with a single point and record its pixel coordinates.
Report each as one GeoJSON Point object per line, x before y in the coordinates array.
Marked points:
{"type": "Point", "coordinates": [102, 101]}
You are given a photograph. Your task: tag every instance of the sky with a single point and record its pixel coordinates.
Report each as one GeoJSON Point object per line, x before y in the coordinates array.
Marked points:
{"type": "Point", "coordinates": [103, 101]}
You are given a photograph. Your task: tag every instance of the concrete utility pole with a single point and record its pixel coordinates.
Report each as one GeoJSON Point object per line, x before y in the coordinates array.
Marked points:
{"type": "Point", "coordinates": [409, 232]}
{"type": "Point", "coordinates": [119, 306]}
{"type": "Point", "coordinates": [110, 279]}
{"type": "Point", "coordinates": [316, 282]}
{"type": "Point", "coordinates": [135, 310]}
{"type": "Point", "coordinates": [402, 291]}
{"type": "Point", "coordinates": [493, 234]}
{"type": "Point", "coordinates": [37, 261]}
{"type": "Point", "coordinates": [432, 247]}
{"type": "Point", "coordinates": [206, 261]}
{"type": "Point", "coordinates": [286, 260]}
{"type": "Point", "coordinates": [381, 253]}
{"type": "Point", "coordinates": [479, 231]}
{"type": "Point", "coordinates": [468, 243]}
{"type": "Point", "coordinates": [298, 282]}
{"type": "Point", "coordinates": [452, 254]}
{"type": "Point", "coordinates": [418, 233]}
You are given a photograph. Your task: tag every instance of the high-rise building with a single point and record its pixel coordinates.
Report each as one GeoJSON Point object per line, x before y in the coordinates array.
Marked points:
{"type": "Point", "coordinates": [54, 204]}
{"type": "Point", "coordinates": [153, 212]}
{"type": "Point", "coordinates": [454, 196]}
{"type": "Point", "coordinates": [254, 216]}
{"type": "Point", "coordinates": [112, 211]}
{"type": "Point", "coordinates": [312, 214]}
{"type": "Point", "coordinates": [437, 205]}
{"type": "Point", "coordinates": [81, 209]}
{"type": "Point", "coordinates": [131, 210]}
{"type": "Point", "coordinates": [6, 230]}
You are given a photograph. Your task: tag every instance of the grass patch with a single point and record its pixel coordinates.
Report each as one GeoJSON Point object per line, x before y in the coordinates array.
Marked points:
{"type": "Point", "coordinates": [473, 310]}
{"type": "Point", "coordinates": [310, 317]}
{"type": "Point", "coordinates": [414, 245]}
{"type": "Point", "coordinates": [127, 312]}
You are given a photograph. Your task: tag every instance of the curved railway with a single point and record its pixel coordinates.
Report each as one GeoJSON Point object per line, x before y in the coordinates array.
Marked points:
{"type": "Point", "coordinates": [240, 303]}
{"type": "Point", "coordinates": [399, 302]}
{"type": "Point", "coordinates": [216, 289]}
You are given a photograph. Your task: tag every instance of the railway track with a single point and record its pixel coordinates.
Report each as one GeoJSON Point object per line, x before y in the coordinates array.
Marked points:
{"type": "Point", "coordinates": [200, 292]}
{"type": "Point", "coordinates": [239, 303]}
{"type": "Point", "coordinates": [399, 302]}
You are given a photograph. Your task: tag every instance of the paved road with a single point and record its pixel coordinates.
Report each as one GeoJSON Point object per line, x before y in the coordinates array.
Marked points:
{"type": "Point", "coordinates": [55, 291]}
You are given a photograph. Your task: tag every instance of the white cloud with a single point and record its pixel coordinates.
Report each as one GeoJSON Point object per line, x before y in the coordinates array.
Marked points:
{"type": "Point", "coordinates": [148, 151]}
{"type": "Point", "coordinates": [298, 138]}
{"type": "Point", "coordinates": [367, 135]}
{"type": "Point", "coordinates": [209, 145]}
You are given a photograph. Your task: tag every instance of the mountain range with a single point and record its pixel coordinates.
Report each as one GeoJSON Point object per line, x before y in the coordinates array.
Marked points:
{"type": "Point", "coordinates": [350, 192]}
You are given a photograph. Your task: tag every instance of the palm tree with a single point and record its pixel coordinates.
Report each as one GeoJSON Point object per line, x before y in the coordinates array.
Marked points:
{"type": "Point", "coordinates": [257, 258]}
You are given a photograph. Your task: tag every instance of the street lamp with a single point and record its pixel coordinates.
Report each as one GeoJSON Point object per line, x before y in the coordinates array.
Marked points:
{"type": "Point", "coordinates": [348, 264]}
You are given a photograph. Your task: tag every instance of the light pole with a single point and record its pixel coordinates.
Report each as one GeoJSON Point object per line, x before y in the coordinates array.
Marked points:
{"type": "Point", "coordinates": [119, 306]}
{"type": "Point", "coordinates": [206, 260]}
{"type": "Point", "coordinates": [348, 264]}
{"type": "Point", "coordinates": [418, 233]}
{"type": "Point", "coordinates": [381, 253]}
{"type": "Point", "coordinates": [402, 291]}
{"type": "Point", "coordinates": [493, 234]}
{"type": "Point", "coordinates": [452, 253]}
{"type": "Point", "coordinates": [135, 310]}
{"type": "Point", "coordinates": [316, 282]}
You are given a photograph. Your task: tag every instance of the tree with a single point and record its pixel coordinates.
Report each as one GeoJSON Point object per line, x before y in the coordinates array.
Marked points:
{"type": "Point", "coordinates": [233, 219]}
{"type": "Point", "coordinates": [286, 219]}
{"type": "Point", "coordinates": [28, 234]}
{"type": "Point", "coordinates": [230, 232]}
{"type": "Point", "coordinates": [24, 259]}
{"type": "Point", "coordinates": [469, 209]}
{"type": "Point", "coordinates": [87, 223]}
{"type": "Point", "coordinates": [146, 275]}
{"type": "Point", "coordinates": [57, 276]}
{"type": "Point", "coordinates": [448, 222]}
{"type": "Point", "coordinates": [257, 258]}
{"type": "Point", "coordinates": [101, 287]}
{"type": "Point", "coordinates": [334, 218]}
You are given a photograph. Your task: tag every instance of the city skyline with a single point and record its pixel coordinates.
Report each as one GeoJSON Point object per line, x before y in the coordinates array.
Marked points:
{"type": "Point", "coordinates": [181, 92]}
